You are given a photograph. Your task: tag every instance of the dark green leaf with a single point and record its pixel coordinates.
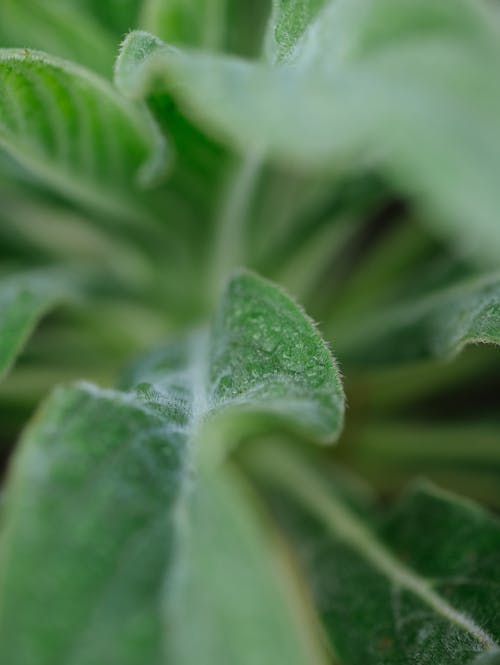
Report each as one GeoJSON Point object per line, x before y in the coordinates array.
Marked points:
{"type": "Point", "coordinates": [437, 325]}
{"type": "Point", "coordinates": [103, 481]}
{"type": "Point", "coordinates": [88, 528]}
{"type": "Point", "coordinates": [422, 588]}
{"type": "Point", "coordinates": [289, 21]}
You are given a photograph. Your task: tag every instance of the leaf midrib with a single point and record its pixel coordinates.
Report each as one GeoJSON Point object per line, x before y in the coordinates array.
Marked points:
{"type": "Point", "coordinates": [291, 473]}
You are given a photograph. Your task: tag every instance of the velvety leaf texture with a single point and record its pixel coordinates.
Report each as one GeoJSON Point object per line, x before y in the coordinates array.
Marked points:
{"type": "Point", "coordinates": [166, 504]}
{"type": "Point", "coordinates": [423, 587]}
{"type": "Point", "coordinates": [90, 506]}
{"type": "Point", "coordinates": [261, 354]}
{"type": "Point", "coordinates": [289, 21]}
{"type": "Point", "coordinates": [101, 487]}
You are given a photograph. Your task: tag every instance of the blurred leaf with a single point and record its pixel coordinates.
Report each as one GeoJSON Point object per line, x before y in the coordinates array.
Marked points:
{"type": "Point", "coordinates": [210, 24]}
{"type": "Point", "coordinates": [423, 587]}
{"type": "Point", "coordinates": [84, 140]}
{"type": "Point", "coordinates": [103, 480]}
{"type": "Point", "coordinates": [410, 88]}
{"type": "Point", "coordinates": [461, 455]}
{"type": "Point", "coordinates": [59, 27]}
{"type": "Point", "coordinates": [24, 299]}
{"type": "Point", "coordinates": [438, 325]}
{"type": "Point", "coordinates": [195, 22]}
{"type": "Point", "coordinates": [228, 568]}
{"type": "Point", "coordinates": [119, 16]}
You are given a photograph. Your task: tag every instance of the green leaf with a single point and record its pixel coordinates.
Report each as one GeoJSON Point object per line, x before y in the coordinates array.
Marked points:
{"type": "Point", "coordinates": [59, 27]}
{"type": "Point", "coordinates": [102, 485]}
{"type": "Point", "coordinates": [387, 95]}
{"type": "Point", "coordinates": [215, 25]}
{"type": "Point", "coordinates": [227, 560]}
{"type": "Point", "coordinates": [289, 21]}
{"type": "Point", "coordinates": [438, 325]}
{"type": "Point", "coordinates": [24, 299]}
{"type": "Point", "coordinates": [84, 140]}
{"type": "Point", "coordinates": [196, 22]}
{"type": "Point", "coordinates": [423, 587]}
{"type": "Point", "coordinates": [120, 16]}
{"type": "Point", "coordinates": [88, 525]}
{"type": "Point", "coordinates": [262, 357]}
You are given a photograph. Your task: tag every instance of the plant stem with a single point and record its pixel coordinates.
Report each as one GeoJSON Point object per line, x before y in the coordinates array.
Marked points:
{"type": "Point", "coordinates": [229, 250]}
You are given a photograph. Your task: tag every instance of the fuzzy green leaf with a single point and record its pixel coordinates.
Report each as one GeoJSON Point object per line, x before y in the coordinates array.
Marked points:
{"type": "Point", "coordinates": [289, 21]}
{"type": "Point", "coordinates": [24, 299]}
{"type": "Point", "coordinates": [101, 475]}
{"type": "Point", "coordinates": [84, 140]}
{"type": "Point", "coordinates": [378, 83]}
{"type": "Point", "coordinates": [261, 355]}
{"type": "Point", "coordinates": [88, 526]}
{"type": "Point", "coordinates": [438, 325]}
{"type": "Point", "coordinates": [423, 587]}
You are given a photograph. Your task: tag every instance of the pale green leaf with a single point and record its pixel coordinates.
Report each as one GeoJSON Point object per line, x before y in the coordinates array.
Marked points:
{"type": "Point", "coordinates": [24, 299]}
{"type": "Point", "coordinates": [84, 140]}
{"type": "Point", "coordinates": [289, 21]}
{"type": "Point", "coordinates": [438, 325]}
{"type": "Point", "coordinates": [423, 586]}
{"type": "Point", "coordinates": [461, 454]}
{"type": "Point", "coordinates": [409, 88]}
{"type": "Point", "coordinates": [103, 482]}
{"type": "Point", "coordinates": [228, 566]}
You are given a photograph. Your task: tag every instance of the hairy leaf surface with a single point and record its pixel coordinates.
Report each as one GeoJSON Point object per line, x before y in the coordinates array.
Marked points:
{"type": "Point", "coordinates": [103, 480]}
{"type": "Point", "coordinates": [423, 586]}
{"type": "Point", "coordinates": [289, 21]}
